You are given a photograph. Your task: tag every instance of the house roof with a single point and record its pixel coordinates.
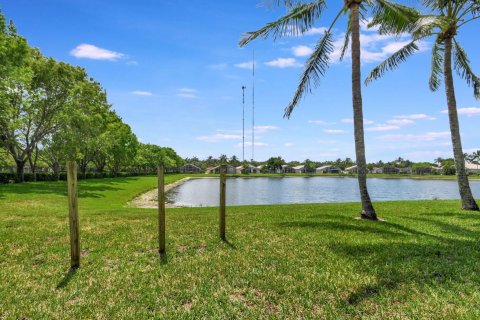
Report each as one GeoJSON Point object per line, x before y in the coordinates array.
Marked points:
{"type": "Point", "coordinates": [351, 168]}
{"type": "Point", "coordinates": [472, 166]}
{"type": "Point", "coordinates": [299, 167]}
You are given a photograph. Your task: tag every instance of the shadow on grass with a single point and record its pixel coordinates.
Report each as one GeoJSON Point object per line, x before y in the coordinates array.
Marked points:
{"type": "Point", "coordinates": [229, 244]}
{"type": "Point", "coordinates": [163, 258]}
{"type": "Point", "coordinates": [417, 253]}
{"type": "Point", "coordinates": [66, 279]}
{"type": "Point", "coordinates": [93, 188]}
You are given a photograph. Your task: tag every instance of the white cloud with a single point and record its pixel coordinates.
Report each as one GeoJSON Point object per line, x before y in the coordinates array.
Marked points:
{"type": "Point", "coordinates": [187, 93]}
{"type": "Point", "coordinates": [401, 122]}
{"type": "Point", "coordinates": [218, 66]}
{"type": "Point", "coordinates": [334, 131]}
{"type": "Point", "coordinates": [283, 63]}
{"type": "Point", "coordinates": [302, 51]}
{"type": "Point", "coordinates": [382, 127]}
{"type": "Point", "coordinates": [320, 122]}
{"type": "Point", "coordinates": [429, 136]}
{"type": "Point", "coordinates": [350, 120]}
{"type": "Point", "coordinates": [314, 31]}
{"type": "Point", "coordinates": [245, 65]}
{"type": "Point", "coordinates": [89, 51]}
{"type": "Point", "coordinates": [219, 137]}
{"type": "Point", "coordinates": [249, 144]}
{"type": "Point", "coordinates": [142, 93]}
{"type": "Point", "coordinates": [416, 116]}
{"type": "Point", "coordinates": [374, 47]}
{"type": "Point", "coordinates": [263, 129]}
{"type": "Point", "coordinates": [470, 112]}
{"type": "Point", "coordinates": [327, 141]}
{"type": "Point", "coordinates": [288, 144]}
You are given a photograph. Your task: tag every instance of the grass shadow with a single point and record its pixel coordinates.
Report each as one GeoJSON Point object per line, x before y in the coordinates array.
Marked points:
{"type": "Point", "coordinates": [67, 278]}
{"type": "Point", "coordinates": [229, 244]}
{"type": "Point", "coordinates": [163, 258]}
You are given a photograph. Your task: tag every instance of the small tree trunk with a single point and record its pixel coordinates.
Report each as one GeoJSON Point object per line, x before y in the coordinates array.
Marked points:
{"type": "Point", "coordinates": [20, 170]}
{"type": "Point", "coordinates": [468, 202]}
{"type": "Point", "coordinates": [368, 212]}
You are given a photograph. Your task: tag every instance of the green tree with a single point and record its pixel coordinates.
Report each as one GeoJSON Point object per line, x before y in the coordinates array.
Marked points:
{"type": "Point", "coordinates": [443, 23]}
{"type": "Point", "coordinates": [301, 17]}
{"type": "Point", "coordinates": [121, 145]}
{"type": "Point", "coordinates": [274, 163]}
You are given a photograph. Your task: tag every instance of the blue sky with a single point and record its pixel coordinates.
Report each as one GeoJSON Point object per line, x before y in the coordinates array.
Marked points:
{"type": "Point", "coordinates": [173, 71]}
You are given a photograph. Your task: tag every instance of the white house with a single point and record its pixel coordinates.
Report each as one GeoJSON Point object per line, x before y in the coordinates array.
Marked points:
{"type": "Point", "coordinates": [352, 169]}
{"type": "Point", "coordinates": [472, 168]}
{"type": "Point", "coordinates": [299, 169]}
{"type": "Point", "coordinates": [328, 169]}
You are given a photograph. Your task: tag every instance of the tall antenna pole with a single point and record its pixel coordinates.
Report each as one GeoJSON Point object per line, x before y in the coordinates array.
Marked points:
{"type": "Point", "coordinates": [253, 106]}
{"type": "Point", "coordinates": [243, 121]}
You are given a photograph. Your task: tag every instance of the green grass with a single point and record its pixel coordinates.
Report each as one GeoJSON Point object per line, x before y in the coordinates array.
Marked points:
{"type": "Point", "coordinates": [289, 261]}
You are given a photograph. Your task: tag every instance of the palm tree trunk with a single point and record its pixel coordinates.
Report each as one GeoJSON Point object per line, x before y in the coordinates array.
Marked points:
{"type": "Point", "coordinates": [368, 212]}
{"type": "Point", "coordinates": [468, 202]}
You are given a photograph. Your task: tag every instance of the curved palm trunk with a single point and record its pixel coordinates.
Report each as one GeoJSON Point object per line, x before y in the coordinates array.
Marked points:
{"type": "Point", "coordinates": [468, 202]}
{"type": "Point", "coordinates": [368, 212]}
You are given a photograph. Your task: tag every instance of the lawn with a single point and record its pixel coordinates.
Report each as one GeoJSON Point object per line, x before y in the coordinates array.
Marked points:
{"type": "Point", "coordinates": [288, 261]}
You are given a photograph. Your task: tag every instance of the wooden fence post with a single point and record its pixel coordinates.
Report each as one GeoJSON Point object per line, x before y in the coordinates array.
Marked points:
{"type": "Point", "coordinates": [73, 214]}
{"type": "Point", "coordinates": [161, 210]}
{"type": "Point", "coordinates": [223, 183]}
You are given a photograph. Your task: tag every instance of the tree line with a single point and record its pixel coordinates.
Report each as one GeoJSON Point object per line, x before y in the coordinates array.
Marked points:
{"type": "Point", "coordinates": [52, 112]}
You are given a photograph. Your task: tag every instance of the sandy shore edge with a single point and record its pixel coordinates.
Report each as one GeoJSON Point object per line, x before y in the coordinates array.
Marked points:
{"type": "Point", "coordinates": [149, 199]}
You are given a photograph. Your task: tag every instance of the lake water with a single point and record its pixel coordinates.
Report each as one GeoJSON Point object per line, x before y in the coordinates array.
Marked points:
{"type": "Point", "coordinates": [243, 191]}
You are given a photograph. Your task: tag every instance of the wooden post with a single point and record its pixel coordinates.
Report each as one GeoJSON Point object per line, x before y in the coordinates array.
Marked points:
{"type": "Point", "coordinates": [73, 214]}
{"type": "Point", "coordinates": [223, 183]}
{"type": "Point", "coordinates": [161, 210]}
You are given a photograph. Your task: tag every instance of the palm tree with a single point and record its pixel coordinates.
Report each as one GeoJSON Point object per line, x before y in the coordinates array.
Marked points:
{"type": "Point", "coordinates": [301, 17]}
{"type": "Point", "coordinates": [444, 22]}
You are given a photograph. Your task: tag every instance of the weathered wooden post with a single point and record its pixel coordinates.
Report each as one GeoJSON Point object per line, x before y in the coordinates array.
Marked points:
{"type": "Point", "coordinates": [73, 214]}
{"type": "Point", "coordinates": [223, 182]}
{"type": "Point", "coordinates": [161, 211]}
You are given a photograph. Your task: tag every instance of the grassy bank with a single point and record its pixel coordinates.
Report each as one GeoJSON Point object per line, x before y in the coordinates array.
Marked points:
{"type": "Point", "coordinates": [293, 261]}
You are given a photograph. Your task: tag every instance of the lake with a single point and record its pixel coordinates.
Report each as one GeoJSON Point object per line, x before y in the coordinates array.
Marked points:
{"type": "Point", "coordinates": [288, 190]}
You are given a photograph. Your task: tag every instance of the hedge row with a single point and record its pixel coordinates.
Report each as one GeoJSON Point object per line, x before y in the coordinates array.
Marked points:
{"type": "Point", "coordinates": [50, 176]}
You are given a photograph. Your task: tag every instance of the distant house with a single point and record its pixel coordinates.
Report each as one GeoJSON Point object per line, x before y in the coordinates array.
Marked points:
{"type": "Point", "coordinates": [390, 170]}
{"type": "Point", "coordinates": [352, 169]}
{"type": "Point", "coordinates": [405, 170]}
{"type": "Point", "coordinates": [299, 169]}
{"type": "Point", "coordinates": [230, 170]}
{"type": "Point", "coordinates": [189, 168]}
{"type": "Point", "coordinates": [472, 168]}
{"type": "Point", "coordinates": [247, 170]}
{"type": "Point", "coordinates": [328, 169]}
{"type": "Point", "coordinates": [423, 170]}
{"type": "Point", "coordinates": [377, 170]}
{"type": "Point", "coordinates": [286, 169]}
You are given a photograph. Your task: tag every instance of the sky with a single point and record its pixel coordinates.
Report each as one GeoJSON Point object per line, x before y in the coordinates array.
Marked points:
{"type": "Point", "coordinates": [174, 72]}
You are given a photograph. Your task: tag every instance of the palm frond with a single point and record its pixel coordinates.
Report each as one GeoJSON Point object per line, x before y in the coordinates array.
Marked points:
{"type": "Point", "coordinates": [393, 18]}
{"type": "Point", "coordinates": [298, 20]}
{"type": "Point", "coordinates": [346, 41]}
{"type": "Point", "coordinates": [436, 69]}
{"type": "Point", "coordinates": [426, 25]}
{"type": "Point", "coordinates": [392, 62]}
{"type": "Point", "coordinates": [315, 68]}
{"type": "Point", "coordinates": [463, 69]}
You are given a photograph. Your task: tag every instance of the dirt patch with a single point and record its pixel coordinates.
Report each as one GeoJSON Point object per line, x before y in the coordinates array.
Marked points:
{"type": "Point", "coordinates": [149, 199]}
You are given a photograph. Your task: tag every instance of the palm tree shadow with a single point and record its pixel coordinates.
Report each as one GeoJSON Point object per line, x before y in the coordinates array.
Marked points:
{"type": "Point", "coordinates": [67, 278]}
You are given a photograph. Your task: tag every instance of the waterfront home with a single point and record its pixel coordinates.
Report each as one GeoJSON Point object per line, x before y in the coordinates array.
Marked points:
{"type": "Point", "coordinates": [390, 170]}
{"type": "Point", "coordinates": [189, 168]}
{"type": "Point", "coordinates": [377, 170]}
{"type": "Point", "coordinates": [407, 170]}
{"type": "Point", "coordinates": [230, 170]}
{"type": "Point", "coordinates": [352, 169]}
{"type": "Point", "coordinates": [247, 170]}
{"type": "Point", "coordinates": [328, 169]}
{"type": "Point", "coordinates": [472, 168]}
{"type": "Point", "coordinates": [299, 169]}
{"type": "Point", "coordinates": [286, 169]}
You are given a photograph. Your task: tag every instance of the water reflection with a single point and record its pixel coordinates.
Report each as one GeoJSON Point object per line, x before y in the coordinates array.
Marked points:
{"type": "Point", "coordinates": [243, 191]}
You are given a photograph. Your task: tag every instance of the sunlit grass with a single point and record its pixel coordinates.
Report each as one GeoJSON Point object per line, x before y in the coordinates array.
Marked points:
{"type": "Point", "coordinates": [288, 261]}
